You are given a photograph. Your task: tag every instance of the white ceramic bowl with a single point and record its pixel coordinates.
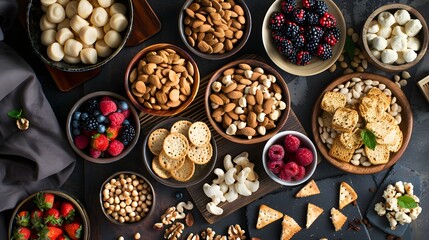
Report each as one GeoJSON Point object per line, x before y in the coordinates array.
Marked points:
{"type": "Point", "coordinates": [279, 139]}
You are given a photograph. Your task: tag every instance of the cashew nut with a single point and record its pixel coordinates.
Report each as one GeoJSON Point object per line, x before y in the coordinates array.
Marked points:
{"type": "Point", "coordinates": [242, 176]}
{"type": "Point", "coordinates": [232, 194]}
{"type": "Point", "coordinates": [223, 187]}
{"type": "Point", "coordinates": [229, 176]}
{"type": "Point", "coordinates": [213, 191]}
{"type": "Point", "coordinates": [242, 189]}
{"type": "Point", "coordinates": [231, 130]}
{"type": "Point", "coordinates": [227, 163]}
{"type": "Point", "coordinates": [243, 154]}
{"type": "Point", "coordinates": [252, 186]}
{"type": "Point", "coordinates": [182, 205]}
{"type": "Point", "coordinates": [180, 215]}
{"type": "Point", "coordinates": [220, 176]}
{"type": "Point", "coordinates": [213, 209]}
{"type": "Point", "coordinates": [242, 161]}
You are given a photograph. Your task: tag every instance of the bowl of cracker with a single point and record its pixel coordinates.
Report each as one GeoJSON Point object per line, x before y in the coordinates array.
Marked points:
{"type": "Point", "coordinates": [362, 123]}
{"type": "Point", "coordinates": [179, 152]}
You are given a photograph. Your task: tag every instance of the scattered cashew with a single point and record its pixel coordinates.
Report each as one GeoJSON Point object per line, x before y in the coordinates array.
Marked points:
{"type": "Point", "coordinates": [227, 162]}
{"type": "Point", "coordinates": [182, 205]}
{"type": "Point", "coordinates": [213, 191]}
{"type": "Point", "coordinates": [241, 177]}
{"type": "Point", "coordinates": [223, 187]}
{"type": "Point", "coordinates": [229, 176]}
{"type": "Point", "coordinates": [180, 215]}
{"type": "Point", "coordinates": [242, 189]}
{"type": "Point", "coordinates": [220, 176]}
{"type": "Point", "coordinates": [243, 154]}
{"type": "Point", "coordinates": [213, 209]}
{"type": "Point", "coordinates": [252, 186]}
{"type": "Point", "coordinates": [232, 194]}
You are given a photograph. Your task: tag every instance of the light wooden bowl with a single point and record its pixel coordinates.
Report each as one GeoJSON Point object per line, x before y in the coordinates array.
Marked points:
{"type": "Point", "coordinates": [134, 62]}
{"type": "Point", "coordinates": [406, 124]}
{"type": "Point", "coordinates": [279, 123]}
{"type": "Point", "coordinates": [423, 37]}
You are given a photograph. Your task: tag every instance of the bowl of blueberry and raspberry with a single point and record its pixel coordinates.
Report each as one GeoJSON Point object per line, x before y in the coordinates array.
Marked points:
{"type": "Point", "coordinates": [289, 158]}
{"type": "Point", "coordinates": [304, 37]}
{"type": "Point", "coordinates": [103, 127]}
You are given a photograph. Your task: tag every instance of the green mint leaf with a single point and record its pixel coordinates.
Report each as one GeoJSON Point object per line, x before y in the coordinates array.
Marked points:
{"type": "Point", "coordinates": [15, 114]}
{"type": "Point", "coordinates": [350, 47]}
{"type": "Point", "coordinates": [368, 138]}
{"type": "Point", "coordinates": [406, 202]}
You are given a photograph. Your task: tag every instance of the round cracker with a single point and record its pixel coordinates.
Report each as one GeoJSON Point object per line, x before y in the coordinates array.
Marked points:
{"type": "Point", "coordinates": [181, 126]}
{"type": "Point", "coordinates": [184, 173]}
{"type": "Point", "coordinates": [200, 155]}
{"type": "Point", "coordinates": [168, 163]}
{"type": "Point", "coordinates": [199, 134]}
{"type": "Point", "coordinates": [175, 146]}
{"type": "Point", "coordinates": [156, 140]}
{"type": "Point", "coordinates": [160, 171]}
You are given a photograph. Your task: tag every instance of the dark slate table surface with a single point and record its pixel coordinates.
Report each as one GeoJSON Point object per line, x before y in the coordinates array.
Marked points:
{"type": "Point", "coordinates": [304, 91]}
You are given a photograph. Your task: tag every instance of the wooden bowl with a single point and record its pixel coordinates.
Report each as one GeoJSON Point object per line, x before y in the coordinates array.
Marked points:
{"type": "Point", "coordinates": [134, 62]}
{"type": "Point", "coordinates": [406, 124]}
{"type": "Point", "coordinates": [423, 37]}
{"type": "Point", "coordinates": [29, 205]}
{"type": "Point", "coordinates": [35, 13]}
{"type": "Point", "coordinates": [285, 97]}
{"type": "Point", "coordinates": [134, 120]}
{"type": "Point", "coordinates": [316, 66]}
{"type": "Point", "coordinates": [237, 47]}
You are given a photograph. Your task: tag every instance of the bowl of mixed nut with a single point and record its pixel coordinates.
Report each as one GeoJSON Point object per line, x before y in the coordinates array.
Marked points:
{"type": "Point", "coordinates": [362, 123]}
{"type": "Point", "coordinates": [214, 29]}
{"type": "Point", "coordinates": [247, 101]}
{"type": "Point", "coordinates": [162, 80]}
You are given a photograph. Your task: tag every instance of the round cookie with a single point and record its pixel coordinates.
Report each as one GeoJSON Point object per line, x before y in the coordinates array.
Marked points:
{"type": "Point", "coordinates": [175, 146]}
{"type": "Point", "coordinates": [200, 155]}
{"type": "Point", "coordinates": [161, 172]}
{"type": "Point", "coordinates": [168, 163]}
{"type": "Point", "coordinates": [184, 173]}
{"type": "Point", "coordinates": [182, 127]}
{"type": "Point", "coordinates": [156, 140]}
{"type": "Point", "coordinates": [199, 134]}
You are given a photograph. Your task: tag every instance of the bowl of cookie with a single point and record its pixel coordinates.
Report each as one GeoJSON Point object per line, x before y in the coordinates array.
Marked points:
{"type": "Point", "coordinates": [362, 123]}
{"type": "Point", "coordinates": [179, 152]}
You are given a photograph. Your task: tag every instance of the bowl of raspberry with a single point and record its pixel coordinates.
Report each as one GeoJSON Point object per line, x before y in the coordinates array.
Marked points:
{"type": "Point", "coordinates": [289, 158]}
{"type": "Point", "coordinates": [304, 37]}
{"type": "Point", "coordinates": [102, 127]}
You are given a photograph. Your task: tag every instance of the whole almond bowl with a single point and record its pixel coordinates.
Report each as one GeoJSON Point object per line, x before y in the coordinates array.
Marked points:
{"type": "Point", "coordinates": [162, 80]}
{"type": "Point", "coordinates": [256, 101]}
{"type": "Point", "coordinates": [398, 98]}
{"type": "Point", "coordinates": [216, 29]}
{"type": "Point", "coordinates": [422, 36]}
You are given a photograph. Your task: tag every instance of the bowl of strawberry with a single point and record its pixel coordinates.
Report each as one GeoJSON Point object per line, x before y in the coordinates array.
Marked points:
{"type": "Point", "coordinates": [50, 214]}
{"type": "Point", "coordinates": [103, 127]}
{"type": "Point", "coordinates": [289, 158]}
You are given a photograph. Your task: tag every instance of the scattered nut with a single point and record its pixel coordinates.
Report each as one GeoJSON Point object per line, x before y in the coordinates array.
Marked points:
{"type": "Point", "coordinates": [235, 232]}
{"type": "Point", "coordinates": [137, 236]}
{"type": "Point", "coordinates": [189, 220]}
{"type": "Point", "coordinates": [174, 232]}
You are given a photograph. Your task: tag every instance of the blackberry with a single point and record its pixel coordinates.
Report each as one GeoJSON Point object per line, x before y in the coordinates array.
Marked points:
{"type": "Point", "coordinates": [291, 29]}
{"type": "Point", "coordinates": [312, 18]}
{"type": "Point", "coordinates": [91, 105]}
{"type": "Point", "coordinates": [90, 123]}
{"type": "Point", "coordinates": [288, 5]}
{"type": "Point", "coordinates": [277, 37]}
{"type": "Point", "coordinates": [327, 20]}
{"type": "Point", "coordinates": [292, 57]}
{"type": "Point", "coordinates": [127, 134]}
{"type": "Point", "coordinates": [277, 21]}
{"type": "Point", "coordinates": [299, 41]}
{"type": "Point", "coordinates": [313, 33]}
{"type": "Point", "coordinates": [324, 51]}
{"type": "Point", "coordinates": [320, 7]}
{"type": "Point", "coordinates": [307, 3]}
{"type": "Point", "coordinates": [298, 15]}
{"type": "Point", "coordinates": [285, 47]}
{"type": "Point", "coordinates": [331, 36]}
{"type": "Point", "coordinates": [303, 58]}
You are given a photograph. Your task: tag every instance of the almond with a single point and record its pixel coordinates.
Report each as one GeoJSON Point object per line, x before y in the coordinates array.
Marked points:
{"type": "Point", "coordinates": [216, 99]}
{"type": "Point", "coordinates": [276, 88]}
{"type": "Point", "coordinates": [244, 66]}
{"type": "Point", "coordinates": [259, 97]}
{"type": "Point", "coordinates": [251, 119]}
{"type": "Point", "coordinates": [225, 99]}
{"type": "Point", "coordinates": [226, 120]}
{"type": "Point", "coordinates": [204, 28]}
{"type": "Point", "coordinates": [235, 95]}
{"type": "Point", "coordinates": [161, 97]}
{"type": "Point", "coordinates": [233, 115]}
{"type": "Point", "coordinates": [270, 124]}
{"type": "Point", "coordinates": [250, 100]}
{"type": "Point", "coordinates": [245, 81]}
{"type": "Point", "coordinates": [154, 80]}
{"type": "Point", "coordinates": [268, 105]}
{"type": "Point", "coordinates": [258, 108]}
{"type": "Point", "coordinates": [173, 103]}
{"type": "Point", "coordinates": [247, 131]}
{"type": "Point", "coordinates": [240, 87]}
{"type": "Point", "coordinates": [229, 107]}
{"type": "Point", "coordinates": [231, 87]}
{"type": "Point", "coordinates": [155, 59]}
{"type": "Point", "coordinates": [140, 87]}
{"type": "Point", "coordinates": [229, 71]}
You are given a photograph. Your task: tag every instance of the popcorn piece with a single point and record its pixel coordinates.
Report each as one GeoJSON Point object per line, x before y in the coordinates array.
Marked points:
{"type": "Point", "coordinates": [402, 16]}
{"type": "Point", "coordinates": [399, 31]}
{"type": "Point", "coordinates": [402, 218]}
{"type": "Point", "coordinates": [413, 43]}
{"type": "Point", "coordinates": [374, 27]}
{"type": "Point", "coordinates": [392, 221]}
{"type": "Point", "coordinates": [398, 43]}
{"type": "Point", "coordinates": [399, 186]}
{"type": "Point", "coordinates": [385, 32]}
{"type": "Point", "coordinates": [392, 204]}
{"type": "Point", "coordinates": [380, 208]}
{"type": "Point", "coordinates": [386, 19]}
{"type": "Point", "coordinates": [414, 213]}
{"type": "Point", "coordinates": [400, 59]}
{"type": "Point", "coordinates": [409, 188]}
{"type": "Point", "coordinates": [379, 43]}
{"type": "Point", "coordinates": [389, 56]}
{"type": "Point", "coordinates": [413, 27]}
{"type": "Point", "coordinates": [409, 55]}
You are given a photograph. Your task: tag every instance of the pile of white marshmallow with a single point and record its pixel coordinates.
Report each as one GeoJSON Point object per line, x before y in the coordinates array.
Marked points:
{"type": "Point", "coordinates": [393, 38]}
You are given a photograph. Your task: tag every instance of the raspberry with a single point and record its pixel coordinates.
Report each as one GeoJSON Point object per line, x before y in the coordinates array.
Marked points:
{"type": "Point", "coordinates": [285, 174]}
{"type": "Point", "coordinates": [301, 173]}
{"type": "Point", "coordinates": [107, 106]}
{"type": "Point", "coordinates": [115, 148]}
{"type": "Point", "coordinates": [81, 141]}
{"type": "Point", "coordinates": [324, 51]}
{"type": "Point", "coordinates": [126, 113]}
{"type": "Point", "coordinates": [94, 153]}
{"type": "Point", "coordinates": [298, 15]}
{"type": "Point", "coordinates": [304, 156]}
{"type": "Point", "coordinates": [116, 119]}
{"type": "Point", "coordinates": [292, 167]}
{"type": "Point", "coordinates": [277, 21]}
{"type": "Point", "coordinates": [275, 166]}
{"type": "Point", "coordinates": [327, 20]}
{"type": "Point", "coordinates": [303, 58]}
{"type": "Point", "coordinates": [291, 143]}
{"type": "Point", "coordinates": [288, 5]}
{"type": "Point", "coordinates": [307, 3]}
{"type": "Point", "coordinates": [276, 152]}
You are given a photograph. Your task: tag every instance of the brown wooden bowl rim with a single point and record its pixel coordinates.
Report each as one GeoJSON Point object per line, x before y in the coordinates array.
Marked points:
{"type": "Point", "coordinates": [60, 193]}
{"type": "Point", "coordinates": [424, 38]}
{"type": "Point", "coordinates": [134, 61]}
{"type": "Point", "coordinates": [280, 81]}
{"type": "Point", "coordinates": [127, 148]}
{"type": "Point", "coordinates": [407, 124]}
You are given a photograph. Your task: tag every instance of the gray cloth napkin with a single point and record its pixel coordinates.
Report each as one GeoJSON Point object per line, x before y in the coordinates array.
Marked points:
{"type": "Point", "coordinates": [40, 157]}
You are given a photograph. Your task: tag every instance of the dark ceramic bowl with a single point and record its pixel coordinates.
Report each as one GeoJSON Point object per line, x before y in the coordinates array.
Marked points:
{"type": "Point", "coordinates": [133, 118]}
{"type": "Point", "coordinates": [29, 205]}
{"type": "Point", "coordinates": [35, 13]}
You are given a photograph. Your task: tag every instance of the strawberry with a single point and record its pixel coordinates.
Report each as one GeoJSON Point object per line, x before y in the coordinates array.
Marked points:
{"type": "Point", "coordinates": [36, 218]}
{"type": "Point", "coordinates": [112, 132]}
{"type": "Point", "coordinates": [21, 233]}
{"type": "Point", "coordinates": [67, 211]}
{"type": "Point", "coordinates": [53, 218]}
{"type": "Point", "coordinates": [44, 200]}
{"type": "Point", "coordinates": [74, 230]}
{"type": "Point", "coordinates": [116, 119]}
{"type": "Point", "coordinates": [115, 148]}
{"type": "Point", "coordinates": [63, 237]}
{"type": "Point", "coordinates": [107, 106]}
{"type": "Point", "coordinates": [50, 233]}
{"type": "Point", "coordinates": [22, 218]}
{"type": "Point", "coordinates": [99, 142]}
{"type": "Point", "coordinates": [57, 204]}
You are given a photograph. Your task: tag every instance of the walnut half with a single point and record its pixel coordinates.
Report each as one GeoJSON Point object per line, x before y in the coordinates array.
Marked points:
{"type": "Point", "coordinates": [174, 232]}
{"type": "Point", "coordinates": [236, 233]}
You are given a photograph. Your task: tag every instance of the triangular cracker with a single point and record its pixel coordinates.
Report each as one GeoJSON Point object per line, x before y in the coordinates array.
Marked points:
{"type": "Point", "coordinates": [347, 195]}
{"type": "Point", "coordinates": [289, 228]}
{"type": "Point", "coordinates": [267, 216]}
{"type": "Point", "coordinates": [338, 219]}
{"type": "Point", "coordinates": [313, 212]}
{"type": "Point", "coordinates": [308, 190]}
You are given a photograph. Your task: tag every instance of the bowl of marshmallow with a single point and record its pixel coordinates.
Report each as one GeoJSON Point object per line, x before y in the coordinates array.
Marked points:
{"type": "Point", "coordinates": [394, 37]}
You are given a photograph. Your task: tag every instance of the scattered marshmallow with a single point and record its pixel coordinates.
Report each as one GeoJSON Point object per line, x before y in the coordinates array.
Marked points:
{"type": "Point", "coordinates": [389, 56]}
{"type": "Point", "coordinates": [386, 19]}
{"type": "Point", "coordinates": [409, 55]}
{"type": "Point", "coordinates": [402, 16]}
{"type": "Point", "coordinates": [413, 27]}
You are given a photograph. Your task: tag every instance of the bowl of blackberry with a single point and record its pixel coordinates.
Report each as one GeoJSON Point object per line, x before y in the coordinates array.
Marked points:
{"type": "Point", "coordinates": [102, 127]}
{"type": "Point", "coordinates": [304, 37]}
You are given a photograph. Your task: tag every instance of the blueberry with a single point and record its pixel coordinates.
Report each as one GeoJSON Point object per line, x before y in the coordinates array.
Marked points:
{"type": "Point", "coordinates": [179, 196]}
{"type": "Point", "coordinates": [101, 128]}
{"type": "Point", "coordinates": [76, 115]}
{"type": "Point", "coordinates": [122, 105]}
{"type": "Point", "coordinates": [101, 118]}
{"type": "Point", "coordinates": [96, 113]}
{"type": "Point", "coordinates": [76, 131]}
{"type": "Point", "coordinates": [84, 116]}
{"type": "Point", "coordinates": [125, 143]}
{"type": "Point", "coordinates": [126, 122]}
{"type": "Point", "coordinates": [76, 123]}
